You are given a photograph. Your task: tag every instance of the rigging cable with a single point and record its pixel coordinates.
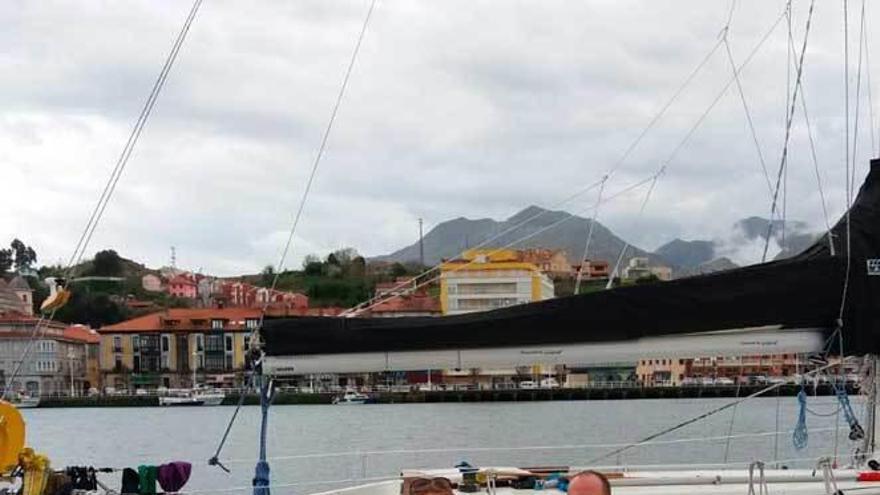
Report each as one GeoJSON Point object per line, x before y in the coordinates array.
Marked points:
{"type": "Point", "coordinates": [742, 95]}
{"type": "Point", "coordinates": [783, 160]}
{"type": "Point", "coordinates": [815, 160]}
{"type": "Point", "coordinates": [698, 418]}
{"type": "Point", "coordinates": [265, 386]}
{"type": "Point", "coordinates": [110, 186]}
{"type": "Point", "coordinates": [394, 292]}
{"type": "Point", "coordinates": [580, 273]}
{"type": "Point", "coordinates": [687, 138]}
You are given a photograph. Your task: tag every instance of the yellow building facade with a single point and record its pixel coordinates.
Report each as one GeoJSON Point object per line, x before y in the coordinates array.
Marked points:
{"type": "Point", "coordinates": [486, 279]}
{"type": "Point", "coordinates": [163, 349]}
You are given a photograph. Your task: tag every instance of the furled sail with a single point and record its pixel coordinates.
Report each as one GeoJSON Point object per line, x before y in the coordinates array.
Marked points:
{"type": "Point", "coordinates": [789, 305]}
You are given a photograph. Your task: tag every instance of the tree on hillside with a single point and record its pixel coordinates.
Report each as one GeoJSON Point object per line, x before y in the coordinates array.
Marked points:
{"type": "Point", "coordinates": [107, 264]}
{"type": "Point", "coordinates": [5, 260]}
{"type": "Point", "coordinates": [267, 276]}
{"type": "Point", "coordinates": [25, 256]}
{"type": "Point", "coordinates": [312, 265]}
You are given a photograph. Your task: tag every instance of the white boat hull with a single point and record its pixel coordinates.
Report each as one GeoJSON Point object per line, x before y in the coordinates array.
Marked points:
{"type": "Point", "coordinates": [718, 482]}
{"type": "Point", "coordinates": [26, 402]}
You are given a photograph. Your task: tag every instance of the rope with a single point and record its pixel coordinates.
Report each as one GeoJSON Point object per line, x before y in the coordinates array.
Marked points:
{"type": "Point", "coordinates": [215, 459]}
{"type": "Point", "coordinates": [110, 186]}
{"type": "Point", "coordinates": [761, 481]}
{"type": "Point", "coordinates": [527, 448]}
{"type": "Point", "coordinates": [856, 432]}
{"type": "Point", "coordinates": [783, 160]}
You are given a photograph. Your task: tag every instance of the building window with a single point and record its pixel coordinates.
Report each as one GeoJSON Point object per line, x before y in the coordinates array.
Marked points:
{"type": "Point", "coordinates": [217, 324]}
{"type": "Point", "coordinates": [137, 364]}
{"type": "Point", "coordinates": [229, 343]}
{"type": "Point", "coordinates": [251, 323]}
{"type": "Point", "coordinates": [200, 342]}
{"type": "Point", "coordinates": [135, 343]}
{"type": "Point", "coordinates": [117, 365]}
{"type": "Point", "coordinates": [117, 343]}
{"type": "Point", "coordinates": [166, 343]}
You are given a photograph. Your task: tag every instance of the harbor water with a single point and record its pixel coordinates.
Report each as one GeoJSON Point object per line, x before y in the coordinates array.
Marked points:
{"type": "Point", "coordinates": [317, 447]}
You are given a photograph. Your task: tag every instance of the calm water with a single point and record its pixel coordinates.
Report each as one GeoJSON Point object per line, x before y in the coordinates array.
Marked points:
{"type": "Point", "coordinates": [128, 437]}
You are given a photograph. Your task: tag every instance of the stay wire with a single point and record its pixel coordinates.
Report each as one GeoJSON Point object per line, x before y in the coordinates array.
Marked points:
{"type": "Point", "coordinates": [320, 154]}
{"type": "Point", "coordinates": [783, 160]}
{"type": "Point", "coordinates": [742, 97]}
{"type": "Point", "coordinates": [109, 187]}
{"type": "Point", "coordinates": [815, 159]}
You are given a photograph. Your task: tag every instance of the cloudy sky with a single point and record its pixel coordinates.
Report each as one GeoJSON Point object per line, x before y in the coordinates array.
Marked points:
{"type": "Point", "coordinates": [456, 108]}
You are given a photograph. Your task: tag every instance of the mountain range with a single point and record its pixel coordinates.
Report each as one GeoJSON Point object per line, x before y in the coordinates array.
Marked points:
{"type": "Point", "coordinates": [536, 227]}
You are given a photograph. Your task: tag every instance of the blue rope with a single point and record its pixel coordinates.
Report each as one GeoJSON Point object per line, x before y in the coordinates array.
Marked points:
{"type": "Point", "coordinates": [800, 437]}
{"type": "Point", "coordinates": [855, 429]}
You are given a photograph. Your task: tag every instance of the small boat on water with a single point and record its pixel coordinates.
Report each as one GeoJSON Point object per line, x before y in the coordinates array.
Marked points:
{"type": "Point", "coordinates": [351, 398]}
{"type": "Point", "coordinates": [193, 397]}
{"type": "Point", "coordinates": [25, 402]}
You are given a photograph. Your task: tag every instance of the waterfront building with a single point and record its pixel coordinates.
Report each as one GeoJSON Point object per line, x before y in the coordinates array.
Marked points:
{"type": "Point", "coordinates": [553, 262]}
{"type": "Point", "coordinates": [639, 267]}
{"type": "Point", "coordinates": [151, 283]}
{"type": "Point", "coordinates": [16, 295]}
{"type": "Point", "coordinates": [162, 349]}
{"type": "Point", "coordinates": [245, 295]}
{"type": "Point", "coordinates": [183, 286]}
{"type": "Point", "coordinates": [663, 372]}
{"type": "Point", "coordinates": [485, 279]}
{"type": "Point", "coordinates": [63, 361]}
{"type": "Point", "coordinates": [734, 367]}
{"type": "Point", "coordinates": [593, 269]}
{"type": "Point", "coordinates": [609, 374]}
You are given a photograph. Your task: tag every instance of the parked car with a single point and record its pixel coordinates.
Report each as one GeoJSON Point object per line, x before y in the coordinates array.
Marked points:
{"type": "Point", "coordinates": [724, 381]}
{"type": "Point", "coordinates": [757, 380]}
{"type": "Point", "coordinates": [689, 381]}
{"type": "Point", "coordinates": [549, 383]}
{"type": "Point", "coordinates": [776, 380]}
{"type": "Point", "coordinates": [528, 385]}
{"type": "Point", "coordinates": [707, 381]}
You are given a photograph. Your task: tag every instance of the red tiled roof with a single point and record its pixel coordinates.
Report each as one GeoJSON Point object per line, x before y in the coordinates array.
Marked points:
{"type": "Point", "coordinates": [184, 318]}
{"type": "Point", "coordinates": [82, 333]}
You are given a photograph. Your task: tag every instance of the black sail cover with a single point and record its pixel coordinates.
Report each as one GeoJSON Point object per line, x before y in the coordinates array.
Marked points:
{"type": "Point", "coordinates": [804, 291]}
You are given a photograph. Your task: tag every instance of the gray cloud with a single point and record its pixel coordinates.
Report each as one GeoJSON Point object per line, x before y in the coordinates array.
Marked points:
{"type": "Point", "coordinates": [460, 108]}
